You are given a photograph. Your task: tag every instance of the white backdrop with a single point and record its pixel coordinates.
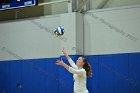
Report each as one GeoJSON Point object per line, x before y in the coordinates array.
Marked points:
{"type": "Point", "coordinates": [33, 38]}
{"type": "Point", "coordinates": [111, 31]}
{"type": "Point", "coordinates": [106, 31]}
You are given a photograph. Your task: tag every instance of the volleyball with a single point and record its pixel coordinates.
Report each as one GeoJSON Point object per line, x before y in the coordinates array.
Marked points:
{"type": "Point", "coordinates": [59, 31]}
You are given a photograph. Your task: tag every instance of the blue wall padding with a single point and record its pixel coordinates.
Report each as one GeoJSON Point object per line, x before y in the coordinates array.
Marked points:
{"type": "Point", "coordinates": [112, 73]}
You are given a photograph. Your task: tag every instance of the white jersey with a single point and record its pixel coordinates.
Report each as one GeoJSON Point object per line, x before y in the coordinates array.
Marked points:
{"type": "Point", "coordinates": [79, 78]}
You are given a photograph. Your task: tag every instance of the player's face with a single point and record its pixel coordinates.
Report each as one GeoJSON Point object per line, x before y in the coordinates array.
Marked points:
{"type": "Point", "coordinates": [80, 62]}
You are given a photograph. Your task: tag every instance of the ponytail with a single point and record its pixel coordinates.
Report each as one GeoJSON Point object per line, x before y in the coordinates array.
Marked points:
{"type": "Point", "coordinates": [87, 67]}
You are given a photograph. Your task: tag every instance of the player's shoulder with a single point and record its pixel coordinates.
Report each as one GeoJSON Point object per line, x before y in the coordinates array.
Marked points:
{"type": "Point", "coordinates": [82, 69]}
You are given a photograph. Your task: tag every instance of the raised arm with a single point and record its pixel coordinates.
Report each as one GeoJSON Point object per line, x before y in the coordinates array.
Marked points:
{"type": "Point", "coordinates": [76, 71]}
{"type": "Point", "coordinates": [69, 59]}
{"type": "Point", "coordinates": [65, 53]}
{"type": "Point", "coordinates": [70, 69]}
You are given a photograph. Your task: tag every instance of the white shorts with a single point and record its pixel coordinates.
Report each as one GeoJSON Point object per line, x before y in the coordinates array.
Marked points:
{"type": "Point", "coordinates": [81, 92]}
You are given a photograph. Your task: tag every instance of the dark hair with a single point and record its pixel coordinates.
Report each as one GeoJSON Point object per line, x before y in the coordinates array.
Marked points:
{"type": "Point", "coordinates": [87, 67]}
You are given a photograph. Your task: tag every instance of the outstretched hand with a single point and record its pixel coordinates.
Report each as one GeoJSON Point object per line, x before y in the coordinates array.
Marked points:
{"type": "Point", "coordinates": [59, 62]}
{"type": "Point", "coordinates": [64, 51]}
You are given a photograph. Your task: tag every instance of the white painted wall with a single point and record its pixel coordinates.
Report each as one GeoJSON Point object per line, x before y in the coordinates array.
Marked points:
{"type": "Point", "coordinates": [59, 8]}
{"type": "Point", "coordinates": [79, 33]}
{"type": "Point", "coordinates": [62, 7]}
{"type": "Point", "coordinates": [112, 3]}
{"type": "Point", "coordinates": [107, 31]}
{"type": "Point", "coordinates": [118, 3]}
{"type": "Point", "coordinates": [94, 4]}
{"type": "Point", "coordinates": [73, 23]}
{"type": "Point", "coordinates": [110, 31]}
{"type": "Point", "coordinates": [29, 40]}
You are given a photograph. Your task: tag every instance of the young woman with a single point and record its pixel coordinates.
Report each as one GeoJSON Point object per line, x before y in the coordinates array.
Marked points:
{"type": "Point", "coordinates": [80, 71]}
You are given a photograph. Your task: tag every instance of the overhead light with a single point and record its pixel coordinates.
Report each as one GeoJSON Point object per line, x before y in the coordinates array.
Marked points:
{"type": "Point", "coordinates": [18, 0]}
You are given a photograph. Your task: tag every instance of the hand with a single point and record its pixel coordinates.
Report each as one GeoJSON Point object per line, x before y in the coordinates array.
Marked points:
{"type": "Point", "coordinates": [64, 51]}
{"type": "Point", "coordinates": [59, 62]}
